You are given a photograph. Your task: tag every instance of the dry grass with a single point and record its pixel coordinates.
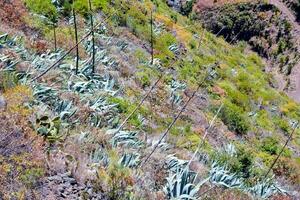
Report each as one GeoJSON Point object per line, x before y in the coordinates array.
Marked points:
{"type": "Point", "coordinates": [181, 33]}
{"type": "Point", "coordinates": [21, 151]}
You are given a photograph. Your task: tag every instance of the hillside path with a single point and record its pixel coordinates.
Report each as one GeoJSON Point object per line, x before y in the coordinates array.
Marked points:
{"type": "Point", "coordinates": [295, 75]}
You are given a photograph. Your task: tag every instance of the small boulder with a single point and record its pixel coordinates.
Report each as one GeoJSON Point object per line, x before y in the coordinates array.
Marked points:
{"type": "Point", "coordinates": [2, 102]}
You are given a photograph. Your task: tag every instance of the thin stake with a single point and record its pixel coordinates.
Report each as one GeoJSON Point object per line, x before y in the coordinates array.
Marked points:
{"type": "Point", "coordinates": [151, 25]}
{"type": "Point", "coordinates": [93, 37]}
{"type": "Point", "coordinates": [54, 34]}
{"type": "Point", "coordinates": [76, 40]}
{"type": "Point", "coordinates": [233, 39]}
{"type": "Point", "coordinates": [220, 30]}
{"type": "Point", "coordinates": [287, 141]}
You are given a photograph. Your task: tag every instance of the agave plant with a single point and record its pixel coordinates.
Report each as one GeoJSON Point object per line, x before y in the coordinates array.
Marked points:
{"type": "Point", "coordinates": [212, 73]}
{"type": "Point", "coordinates": [176, 88]}
{"type": "Point", "coordinates": [265, 189]}
{"type": "Point", "coordinates": [156, 64]}
{"type": "Point", "coordinates": [99, 157]}
{"type": "Point", "coordinates": [122, 45]}
{"type": "Point", "coordinates": [85, 137]}
{"type": "Point", "coordinates": [130, 159]}
{"type": "Point", "coordinates": [174, 48]}
{"type": "Point", "coordinates": [43, 61]}
{"type": "Point", "coordinates": [45, 94]}
{"type": "Point", "coordinates": [126, 138]}
{"type": "Point", "coordinates": [159, 27]}
{"type": "Point", "coordinates": [85, 84]}
{"type": "Point", "coordinates": [102, 112]}
{"type": "Point", "coordinates": [230, 150]}
{"type": "Point", "coordinates": [65, 109]}
{"type": "Point", "coordinates": [182, 185]}
{"type": "Point", "coordinates": [220, 175]}
{"type": "Point", "coordinates": [101, 105]}
{"type": "Point", "coordinates": [173, 163]}
{"type": "Point", "coordinates": [8, 63]}
{"type": "Point", "coordinates": [101, 30]}
{"type": "Point", "coordinates": [3, 38]}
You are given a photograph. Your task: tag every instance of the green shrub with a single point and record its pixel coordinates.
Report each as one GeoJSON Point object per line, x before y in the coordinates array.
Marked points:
{"type": "Point", "coordinates": [162, 44]}
{"type": "Point", "coordinates": [233, 117]}
{"type": "Point", "coordinates": [114, 180]}
{"type": "Point", "coordinates": [145, 75]}
{"type": "Point", "coordinates": [126, 107]}
{"type": "Point", "coordinates": [270, 145]}
{"type": "Point", "coordinates": [240, 162]}
{"type": "Point", "coordinates": [264, 121]}
{"type": "Point", "coordinates": [282, 124]}
{"type": "Point", "coordinates": [7, 80]}
{"type": "Point", "coordinates": [43, 7]}
{"type": "Point", "coordinates": [81, 7]}
{"type": "Point", "coordinates": [30, 177]}
{"type": "Point", "coordinates": [100, 4]}
{"type": "Point", "coordinates": [144, 79]}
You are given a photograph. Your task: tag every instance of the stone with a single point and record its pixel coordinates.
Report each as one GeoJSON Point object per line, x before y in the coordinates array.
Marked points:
{"type": "Point", "coordinates": [2, 102]}
{"type": "Point", "coordinates": [90, 191]}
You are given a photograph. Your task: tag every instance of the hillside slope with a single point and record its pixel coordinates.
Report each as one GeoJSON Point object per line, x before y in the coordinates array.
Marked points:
{"type": "Point", "coordinates": [97, 135]}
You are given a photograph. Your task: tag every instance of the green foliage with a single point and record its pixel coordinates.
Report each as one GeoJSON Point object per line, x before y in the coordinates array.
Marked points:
{"type": "Point", "coordinates": [239, 159]}
{"type": "Point", "coordinates": [282, 124]}
{"type": "Point", "coordinates": [162, 44]}
{"type": "Point", "coordinates": [30, 177]}
{"type": "Point", "coordinates": [270, 145]}
{"type": "Point", "coordinates": [145, 75]}
{"type": "Point", "coordinates": [101, 4]}
{"type": "Point", "coordinates": [7, 80]}
{"type": "Point", "coordinates": [187, 7]}
{"type": "Point", "coordinates": [43, 7]}
{"type": "Point", "coordinates": [125, 107]}
{"type": "Point", "coordinates": [263, 120]}
{"type": "Point", "coordinates": [81, 7]}
{"type": "Point", "coordinates": [233, 117]}
{"type": "Point", "coordinates": [115, 180]}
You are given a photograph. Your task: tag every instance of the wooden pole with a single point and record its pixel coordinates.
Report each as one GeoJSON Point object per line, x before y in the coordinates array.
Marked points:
{"type": "Point", "coordinates": [93, 37]}
{"type": "Point", "coordinates": [54, 34]}
{"type": "Point", "coordinates": [151, 25]}
{"type": "Point", "coordinates": [76, 40]}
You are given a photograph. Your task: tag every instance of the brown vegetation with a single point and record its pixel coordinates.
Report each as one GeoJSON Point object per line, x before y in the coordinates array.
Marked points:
{"type": "Point", "coordinates": [21, 151]}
